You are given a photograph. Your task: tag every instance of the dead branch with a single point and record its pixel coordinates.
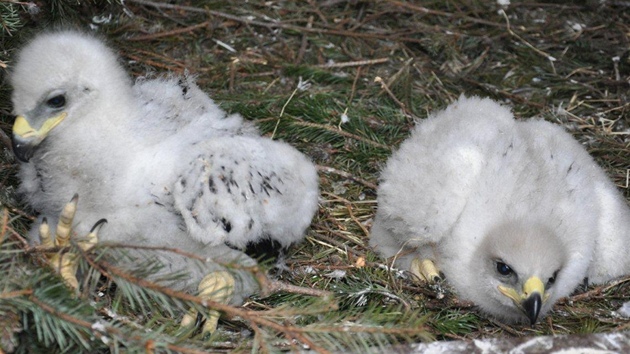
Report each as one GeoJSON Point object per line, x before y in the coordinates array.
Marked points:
{"type": "Point", "coordinates": [273, 25]}
{"type": "Point", "coordinates": [348, 175]}
{"type": "Point", "coordinates": [341, 132]}
{"type": "Point", "coordinates": [170, 33]}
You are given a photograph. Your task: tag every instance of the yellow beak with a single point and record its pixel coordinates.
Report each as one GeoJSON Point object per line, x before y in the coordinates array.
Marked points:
{"type": "Point", "coordinates": [23, 129]}
{"type": "Point", "coordinates": [530, 300]}
{"type": "Point", "coordinates": [26, 138]}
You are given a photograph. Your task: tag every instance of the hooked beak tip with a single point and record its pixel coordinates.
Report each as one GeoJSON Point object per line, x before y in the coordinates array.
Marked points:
{"type": "Point", "coordinates": [531, 306]}
{"type": "Point", "coordinates": [23, 151]}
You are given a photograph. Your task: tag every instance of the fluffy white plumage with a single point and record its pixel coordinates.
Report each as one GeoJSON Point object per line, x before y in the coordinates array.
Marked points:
{"type": "Point", "coordinates": [159, 160]}
{"type": "Point", "coordinates": [473, 190]}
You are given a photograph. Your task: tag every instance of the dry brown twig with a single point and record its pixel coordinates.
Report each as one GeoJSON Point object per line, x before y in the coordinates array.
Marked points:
{"type": "Point", "coordinates": [163, 57]}
{"type": "Point", "coordinates": [596, 291]}
{"type": "Point", "coordinates": [524, 41]}
{"type": "Point", "coordinates": [389, 92]}
{"type": "Point", "coordinates": [111, 271]}
{"type": "Point", "coordinates": [5, 225]}
{"type": "Point", "coordinates": [175, 32]}
{"type": "Point", "coordinates": [354, 63]}
{"type": "Point", "coordinates": [272, 25]}
{"type": "Point", "coordinates": [339, 244]}
{"type": "Point", "coordinates": [348, 175]}
{"type": "Point", "coordinates": [304, 43]}
{"type": "Point", "coordinates": [6, 141]}
{"type": "Point", "coordinates": [150, 62]}
{"type": "Point", "coordinates": [268, 286]}
{"type": "Point", "coordinates": [341, 132]}
{"type": "Point", "coordinates": [424, 10]}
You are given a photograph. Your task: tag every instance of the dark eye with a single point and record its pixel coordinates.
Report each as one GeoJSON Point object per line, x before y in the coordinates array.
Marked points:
{"type": "Point", "coordinates": [552, 280]}
{"type": "Point", "coordinates": [56, 101]}
{"type": "Point", "coordinates": [504, 269]}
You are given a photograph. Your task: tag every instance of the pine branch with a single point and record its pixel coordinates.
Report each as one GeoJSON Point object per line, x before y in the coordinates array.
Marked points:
{"type": "Point", "coordinates": [340, 132]}
{"type": "Point", "coordinates": [99, 331]}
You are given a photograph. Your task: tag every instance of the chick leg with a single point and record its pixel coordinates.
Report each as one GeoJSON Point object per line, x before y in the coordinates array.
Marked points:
{"type": "Point", "coordinates": [425, 270]}
{"type": "Point", "coordinates": [66, 264]}
{"type": "Point", "coordinates": [218, 287]}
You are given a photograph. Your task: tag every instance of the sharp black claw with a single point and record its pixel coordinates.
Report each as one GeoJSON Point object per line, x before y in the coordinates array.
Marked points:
{"type": "Point", "coordinates": [45, 221]}
{"type": "Point", "coordinates": [75, 198]}
{"type": "Point", "coordinates": [98, 224]}
{"type": "Point", "coordinates": [199, 319]}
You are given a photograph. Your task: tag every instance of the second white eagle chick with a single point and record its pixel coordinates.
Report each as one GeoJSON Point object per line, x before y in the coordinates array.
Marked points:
{"type": "Point", "coordinates": [515, 214]}
{"type": "Point", "coordinates": [159, 160]}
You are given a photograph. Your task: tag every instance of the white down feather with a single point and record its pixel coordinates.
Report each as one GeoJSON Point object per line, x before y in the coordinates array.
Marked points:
{"type": "Point", "coordinates": [471, 171]}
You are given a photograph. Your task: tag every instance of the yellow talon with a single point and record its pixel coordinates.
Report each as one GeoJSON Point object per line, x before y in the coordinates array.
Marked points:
{"type": "Point", "coordinates": [425, 270]}
{"type": "Point", "coordinates": [66, 264]}
{"type": "Point", "coordinates": [92, 238]}
{"type": "Point", "coordinates": [189, 318]}
{"type": "Point", "coordinates": [218, 287]}
{"type": "Point", "coordinates": [64, 226]}
{"type": "Point", "coordinates": [68, 270]}
{"type": "Point", "coordinates": [44, 234]}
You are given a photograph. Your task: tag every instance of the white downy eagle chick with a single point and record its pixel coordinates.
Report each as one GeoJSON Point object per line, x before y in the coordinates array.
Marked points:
{"type": "Point", "coordinates": [515, 214]}
{"type": "Point", "coordinates": [159, 160]}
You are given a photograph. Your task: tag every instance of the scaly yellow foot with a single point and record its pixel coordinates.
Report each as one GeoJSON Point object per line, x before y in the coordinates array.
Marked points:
{"type": "Point", "coordinates": [66, 263]}
{"type": "Point", "coordinates": [425, 270]}
{"type": "Point", "coordinates": [218, 287]}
